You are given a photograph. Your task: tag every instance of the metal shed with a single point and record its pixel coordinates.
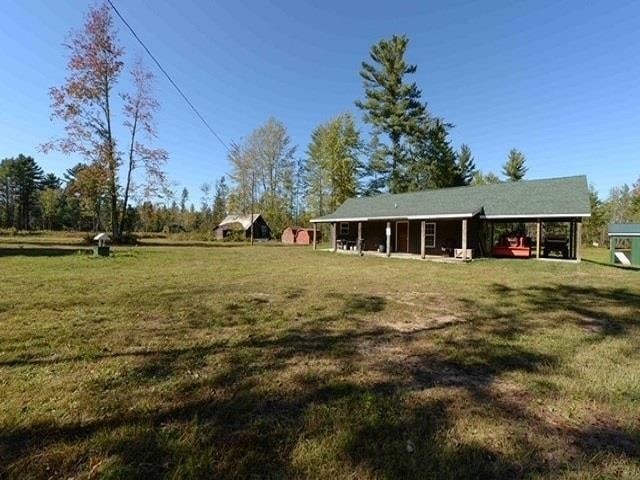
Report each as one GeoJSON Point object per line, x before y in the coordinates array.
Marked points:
{"type": "Point", "coordinates": [624, 243]}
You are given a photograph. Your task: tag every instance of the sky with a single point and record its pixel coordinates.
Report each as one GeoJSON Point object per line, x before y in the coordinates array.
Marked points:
{"type": "Point", "coordinates": [558, 80]}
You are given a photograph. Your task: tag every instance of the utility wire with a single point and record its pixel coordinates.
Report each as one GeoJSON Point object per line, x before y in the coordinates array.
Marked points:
{"type": "Point", "coordinates": [195, 110]}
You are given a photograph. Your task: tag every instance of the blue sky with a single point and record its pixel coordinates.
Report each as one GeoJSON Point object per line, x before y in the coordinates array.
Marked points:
{"type": "Point", "coordinates": [557, 80]}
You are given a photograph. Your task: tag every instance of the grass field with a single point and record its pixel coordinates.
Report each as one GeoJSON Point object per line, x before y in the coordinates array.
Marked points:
{"type": "Point", "coordinates": [271, 362]}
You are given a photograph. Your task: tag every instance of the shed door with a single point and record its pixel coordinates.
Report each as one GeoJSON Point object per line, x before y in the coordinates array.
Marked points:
{"type": "Point", "coordinates": [402, 237]}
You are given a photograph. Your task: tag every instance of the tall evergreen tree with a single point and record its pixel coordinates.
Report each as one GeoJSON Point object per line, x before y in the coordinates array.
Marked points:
{"type": "Point", "coordinates": [220, 201]}
{"type": "Point", "coordinates": [465, 166]}
{"type": "Point", "coordinates": [392, 105]}
{"type": "Point", "coordinates": [434, 163]}
{"type": "Point", "coordinates": [514, 168]}
{"type": "Point", "coordinates": [184, 198]}
{"type": "Point", "coordinates": [377, 167]}
{"type": "Point", "coordinates": [50, 180]}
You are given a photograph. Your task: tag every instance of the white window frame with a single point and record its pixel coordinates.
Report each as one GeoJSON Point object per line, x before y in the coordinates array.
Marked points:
{"type": "Point", "coordinates": [342, 232]}
{"type": "Point", "coordinates": [429, 236]}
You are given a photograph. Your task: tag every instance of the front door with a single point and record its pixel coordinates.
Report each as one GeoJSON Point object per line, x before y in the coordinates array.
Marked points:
{"type": "Point", "coordinates": [402, 237]}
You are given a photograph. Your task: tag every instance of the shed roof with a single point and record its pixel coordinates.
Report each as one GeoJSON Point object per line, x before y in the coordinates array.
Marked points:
{"type": "Point", "coordinates": [624, 230]}
{"type": "Point", "coordinates": [545, 198]}
{"type": "Point", "coordinates": [243, 220]}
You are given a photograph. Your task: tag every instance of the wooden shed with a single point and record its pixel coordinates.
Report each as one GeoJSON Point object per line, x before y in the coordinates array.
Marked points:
{"type": "Point", "coordinates": [624, 242]}
{"type": "Point", "coordinates": [289, 235]}
{"type": "Point", "coordinates": [304, 236]}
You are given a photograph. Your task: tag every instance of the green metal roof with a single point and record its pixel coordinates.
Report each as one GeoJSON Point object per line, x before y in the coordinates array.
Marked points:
{"type": "Point", "coordinates": [546, 198]}
{"type": "Point", "coordinates": [624, 229]}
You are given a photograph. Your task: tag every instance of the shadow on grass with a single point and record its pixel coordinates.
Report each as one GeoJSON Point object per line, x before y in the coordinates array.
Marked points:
{"type": "Point", "coordinates": [42, 251]}
{"type": "Point", "coordinates": [249, 417]}
{"type": "Point", "coordinates": [616, 265]}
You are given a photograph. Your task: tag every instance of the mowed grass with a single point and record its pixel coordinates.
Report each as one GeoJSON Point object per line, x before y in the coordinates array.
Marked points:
{"type": "Point", "coordinates": [281, 362]}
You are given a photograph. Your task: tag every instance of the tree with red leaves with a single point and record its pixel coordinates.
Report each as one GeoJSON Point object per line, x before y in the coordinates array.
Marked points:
{"type": "Point", "coordinates": [86, 104]}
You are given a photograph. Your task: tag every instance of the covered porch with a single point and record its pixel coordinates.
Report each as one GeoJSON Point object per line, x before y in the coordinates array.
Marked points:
{"type": "Point", "coordinates": [424, 238]}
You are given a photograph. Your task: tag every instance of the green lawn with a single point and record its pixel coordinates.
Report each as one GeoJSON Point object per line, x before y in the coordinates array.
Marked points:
{"type": "Point", "coordinates": [271, 362]}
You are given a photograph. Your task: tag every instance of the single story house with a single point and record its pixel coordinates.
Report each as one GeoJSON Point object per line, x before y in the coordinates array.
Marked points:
{"type": "Point", "coordinates": [242, 223]}
{"type": "Point", "coordinates": [466, 221]}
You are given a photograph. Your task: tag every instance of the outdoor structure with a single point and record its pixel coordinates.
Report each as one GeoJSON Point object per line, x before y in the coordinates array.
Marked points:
{"type": "Point", "coordinates": [624, 243]}
{"type": "Point", "coordinates": [464, 222]}
{"type": "Point", "coordinates": [298, 236]}
{"type": "Point", "coordinates": [304, 236]}
{"type": "Point", "coordinates": [242, 225]}
{"type": "Point", "coordinates": [102, 249]}
{"type": "Point", "coordinates": [289, 235]}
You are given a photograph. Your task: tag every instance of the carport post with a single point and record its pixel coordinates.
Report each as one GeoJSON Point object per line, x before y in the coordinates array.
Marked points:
{"type": "Point", "coordinates": [334, 239]}
{"type": "Point", "coordinates": [359, 238]}
{"type": "Point", "coordinates": [578, 240]}
{"type": "Point", "coordinates": [388, 232]}
{"type": "Point", "coordinates": [538, 237]}
{"type": "Point", "coordinates": [464, 240]}
{"type": "Point", "coordinates": [423, 232]}
{"type": "Point", "coordinates": [315, 236]}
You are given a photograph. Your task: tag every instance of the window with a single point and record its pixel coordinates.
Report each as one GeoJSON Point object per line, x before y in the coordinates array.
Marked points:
{"type": "Point", "coordinates": [430, 235]}
{"type": "Point", "coordinates": [344, 228]}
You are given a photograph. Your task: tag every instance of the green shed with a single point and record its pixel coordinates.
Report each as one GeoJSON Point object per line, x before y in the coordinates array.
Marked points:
{"type": "Point", "coordinates": [624, 241]}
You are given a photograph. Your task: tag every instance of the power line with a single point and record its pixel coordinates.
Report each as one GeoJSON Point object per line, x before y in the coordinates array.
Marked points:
{"type": "Point", "coordinates": [195, 110]}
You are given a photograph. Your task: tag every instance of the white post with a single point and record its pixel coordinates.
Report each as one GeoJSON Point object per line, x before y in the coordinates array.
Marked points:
{"type": "Point", "coordinates": [423, 232]}
{"type": "Point", "coordinates": [579, 240]}
{"type": "Point", "coordinates": [388, 232]}
{"type": "Point", "coordinates": [334, 238]}
{"type": "Point", "coordinates": [464, 240]}
{"type": "Point", "coordinates": [538, 237]}
{"type": "Point", "coordinates": [359, 238]}
{"type": "Point", "coordinates": [315, 236]}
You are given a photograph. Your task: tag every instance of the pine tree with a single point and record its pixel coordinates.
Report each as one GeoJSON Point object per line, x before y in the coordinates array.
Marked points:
{"type": "Point", "coordinates": [377, 167]}
{"type": "Point", "coordinates": [514, 168]}
{"type": "Point", "coordinates": [438, 169]}
{"type": "Point", "coordinates": [184, 198]}
{"type": "Point", "coordinates": [220, 201]}
{"type": "Point", "coordinates": [465, 166]}
{"type": "Point", "coordinates": [392, 105]}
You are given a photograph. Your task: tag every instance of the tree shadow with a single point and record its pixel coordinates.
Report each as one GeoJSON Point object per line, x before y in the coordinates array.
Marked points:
{"type": "Point", "coordinates": [309, 401]}
{"type": "Point", "coordinates": [42, 251]}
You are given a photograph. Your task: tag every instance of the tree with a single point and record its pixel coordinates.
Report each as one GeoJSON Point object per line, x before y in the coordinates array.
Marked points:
{"type": "Point", "coordinates": [86, 103]}
{"type": "Point", "coordinates": [50, 203]}
{"type": "Point", "coordinates": [594, 226]}
{"type": "Point", "coordinates": [333, 166]}
{"type": "Point", "coordinates": [26, 177]}
{"type": "Point", "coordinates": [264, 165]}
{"type": "Point", "coordinates": [514, 168]}
{"type": "Point", "coordinates": [138, 112]}
{"type": "Point", "coordinates": [433, 161]}
{"type": "Point", "coordinates": [392, 105]}
{"type": "Point", "coordinates": [377, 167]}
{"type": "Point", "coordinates": [220, 201]}
{"type": "Point", "coordinates": [184, 198]}
{"type": "Point", "coordinates": [480, 178]}
{"type": "Point", "coordinates": [50, 180]}
{"type": "Point", "coordinates": [465, 166]}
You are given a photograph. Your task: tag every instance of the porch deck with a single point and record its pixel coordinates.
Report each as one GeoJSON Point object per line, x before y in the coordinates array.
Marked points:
{"type": "Point", "coordinates": [401, 255]}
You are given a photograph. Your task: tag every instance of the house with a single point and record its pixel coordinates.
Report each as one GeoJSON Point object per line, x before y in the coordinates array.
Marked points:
{"type": "Point", "coordinates": [624, 243]}
{"type": "Point", "coordinates": [464, 222]}
{"type": "Point", "coordinates": [242, 224]}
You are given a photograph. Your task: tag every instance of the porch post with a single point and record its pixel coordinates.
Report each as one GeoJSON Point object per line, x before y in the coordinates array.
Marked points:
{"type": "Point", "coordinates": [571, 239]}
{"type": "Point", "coordinates": [491, 243]}
{"type": "Point", "coordinates": [578, 240]}
{"type": "Point", "coordinates": [388, 232]}
{"type": "Point", "coordinates": [538, 237]}
{"type": "Point", "coordinates": [423, 231]}
{"type": "Point", "coordinates": [464, 240]}
{"type": "Point", "coordinates": [359, 238]}
{"type": "Point", "coordinates": [334, 239]}
{"type": "Point", "coordinates": [315, 236]}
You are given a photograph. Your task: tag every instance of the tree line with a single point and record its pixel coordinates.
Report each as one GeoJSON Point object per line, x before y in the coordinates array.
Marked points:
{"type": "Point", "coordinates": [121, 185]}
